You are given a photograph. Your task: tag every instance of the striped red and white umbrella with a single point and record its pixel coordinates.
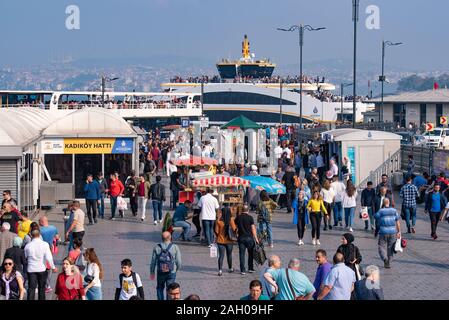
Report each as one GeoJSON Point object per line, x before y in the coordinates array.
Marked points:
{"type": "Point", "coordinates": [220, 181]}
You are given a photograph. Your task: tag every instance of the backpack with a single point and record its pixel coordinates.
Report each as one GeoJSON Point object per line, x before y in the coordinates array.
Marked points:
{"type": "Point", "coordinates": [165, 261]}
{"type": "Point", "coordinates": [133, 275]}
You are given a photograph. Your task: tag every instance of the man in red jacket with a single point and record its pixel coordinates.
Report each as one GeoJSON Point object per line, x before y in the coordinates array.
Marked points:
{"type": "Point", "coordinates": [116, 189]}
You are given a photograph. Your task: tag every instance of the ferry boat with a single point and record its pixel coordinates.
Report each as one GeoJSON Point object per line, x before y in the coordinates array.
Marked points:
{"type": "Point", "coordinates": [246, 87]}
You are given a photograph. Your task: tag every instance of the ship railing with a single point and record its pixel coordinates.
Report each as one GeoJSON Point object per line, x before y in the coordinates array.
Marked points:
{"type": "Point", "coordinates": [44, 106]}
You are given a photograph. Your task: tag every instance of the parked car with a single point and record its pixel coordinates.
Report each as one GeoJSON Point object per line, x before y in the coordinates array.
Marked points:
{"type": "Point", "coordinates": [406, 138]}
{"type": "Point", "coordinates": [438, 138]}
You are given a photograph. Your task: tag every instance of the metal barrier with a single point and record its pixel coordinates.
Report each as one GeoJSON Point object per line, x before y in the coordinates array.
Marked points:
{"type": "Point", "coordinates": [423, 157]}
{"type": "Point", "coordinates": [390, 166]}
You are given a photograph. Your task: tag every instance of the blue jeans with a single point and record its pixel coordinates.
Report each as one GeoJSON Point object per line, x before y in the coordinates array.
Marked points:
{"type": "Point", "coordinates": [101, 207]}
{"type": "Point", "coordinates": [157, 209]}
{"type": "Point", "coordinates": [208, 226]}
{"type": "Point", "coordinates": [164, 280]}
{"type": "Point", "coordinates": [337, 213]}
{"type": "Point", "coordinates": [113, 206]}
{"type": "Point", "coordinates": [349, 216]}
{"type": "Point", "coordinates": [185, 227]}
{"type": "Point", "coordinates": [94, 293]}
{"type": "Point", "coordinates": [266, 226]}
{"type": "Point", "coordinates": [410, 213]}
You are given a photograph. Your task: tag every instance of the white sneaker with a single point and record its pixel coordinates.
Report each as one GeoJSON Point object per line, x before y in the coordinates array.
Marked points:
{"type": "Point", "coordinates": [155, 222]}
{"type": "Point", "coordinates": [160, 221]}
{"type": "Point", "coordinates": [350, 229]}
{"type": "Point", "coordinates": [318, 243]}
{"type": "Point", "coordinates": [314, 242]}
{"type": "Point", "coordinates": [300, 243]}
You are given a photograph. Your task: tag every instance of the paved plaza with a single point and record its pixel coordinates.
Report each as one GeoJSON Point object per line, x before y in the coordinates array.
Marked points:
{"type": "Point", "coordinates": [420, 272]}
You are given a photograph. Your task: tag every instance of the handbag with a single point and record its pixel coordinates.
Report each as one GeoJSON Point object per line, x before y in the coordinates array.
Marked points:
{"type": "Point", "coordinates": [292, 289]}
{"type": "Point", "coordinates": [364, 213]}
{"type": "Point", "coordinates": [88, 279]}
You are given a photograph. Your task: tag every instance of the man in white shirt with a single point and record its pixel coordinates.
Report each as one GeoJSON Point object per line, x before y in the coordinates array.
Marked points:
{"type": "Point", "coordinates": [320, 165]}
{"type": "Point", "coordinates": [38, 253]}
{"type": "Point", "coordinates": [209, 206]}
{"type": "Point", "coordinates": [333, 167]}
{"type": "Point", "coordinates": [78, 222]}
{"type": "Point", "coordinates": [339, 189]}
{"type": "Point", "coordinates": [287, 151]}
{"type": "Point", "coordinates": [278, 151]}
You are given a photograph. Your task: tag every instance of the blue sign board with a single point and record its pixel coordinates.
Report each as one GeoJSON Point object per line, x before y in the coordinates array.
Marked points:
{"type": "Point", "coordinates": [185, 123]}
{"type": "Point", "coordinates": [123, 146]}
{"type": "Point", "coordinates": [351, 158]}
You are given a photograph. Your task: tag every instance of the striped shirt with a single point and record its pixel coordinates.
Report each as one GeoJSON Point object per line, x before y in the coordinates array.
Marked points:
{"type": "Point", "coordinates": [386, 219]}
{"type": "Point", "coordinates": [409, 193]}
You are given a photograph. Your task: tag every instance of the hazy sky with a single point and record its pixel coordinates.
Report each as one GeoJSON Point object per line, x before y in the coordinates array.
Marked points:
{"type": "Point", "coordinates": [34, 31]}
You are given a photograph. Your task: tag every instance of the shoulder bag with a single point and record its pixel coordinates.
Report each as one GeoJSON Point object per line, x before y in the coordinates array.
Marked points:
{"type": "Point", "coordinates": [292, 289]}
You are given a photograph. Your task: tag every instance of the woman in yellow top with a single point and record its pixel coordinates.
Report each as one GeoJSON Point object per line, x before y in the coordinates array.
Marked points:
{"type": "Point", "coordinates": [316, 207]}
{"type": "Point", "coordinates": [24, 226]}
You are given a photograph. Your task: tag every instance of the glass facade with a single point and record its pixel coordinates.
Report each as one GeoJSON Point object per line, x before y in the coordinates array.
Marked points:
{"type": "Point", "coordinates": [422, 113]}
{"type": "Point", "coordinates": [59, 167]}
{"type": "Point", "coordinates": [247, 98]}
{"type": "Point", "coordinates": [399, 114]}
{"type": "Point", "coordinates": [439, 114]}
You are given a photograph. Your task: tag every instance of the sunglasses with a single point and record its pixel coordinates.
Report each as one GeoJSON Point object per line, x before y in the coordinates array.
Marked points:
{"type": "Point", "coordinates": [8, 264]}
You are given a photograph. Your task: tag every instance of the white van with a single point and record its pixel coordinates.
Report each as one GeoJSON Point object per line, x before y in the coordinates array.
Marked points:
{"type": "Point", "coordinates": [438, 138]}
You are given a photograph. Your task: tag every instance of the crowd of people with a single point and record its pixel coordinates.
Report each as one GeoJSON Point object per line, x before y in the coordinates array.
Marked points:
{"type": "Point", "coordinates": [320, 196]}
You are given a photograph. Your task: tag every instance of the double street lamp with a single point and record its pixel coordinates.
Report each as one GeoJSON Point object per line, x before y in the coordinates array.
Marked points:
{"type": "Point", "coordinates": [105, 79]}
{"type": "Point", "coordinates": [301, 28]}
{"type": "Point", "coordinates": [382, 77]}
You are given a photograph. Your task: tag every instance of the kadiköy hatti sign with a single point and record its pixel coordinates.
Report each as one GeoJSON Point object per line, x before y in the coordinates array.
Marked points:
{"type": "Point", "coordinates": [88, 146]}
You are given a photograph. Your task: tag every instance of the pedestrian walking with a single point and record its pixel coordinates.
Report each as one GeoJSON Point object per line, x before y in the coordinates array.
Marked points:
{"type": "Point", "coordinates": [94, 275]}
{"type": "Point", "coordinates": [225, 232]}
{"type": "Point", "coordinates": [386, 183]}
{"type": "Point", "coordinates": [92, 197]}
{"type": "Point", "coordinates": [247, 237]}
{"type": "Point", "coordinates": [49, 234]}
{"type": "Point", "coordinates": [131, 184]}
{"type": "Point", "coordinates": [349, 204]}
{"type": "Point", "coordinates": [324, 267]}
{"type": "Point", "coordinates": [166, 260]}
{"type": "Point", "coordinates": [367, 200]}
{"type": "Point", "coordinates": [435, 206]}
{"type": "Point", "coordinates": [77, 225]}
{"type": "Point", "coordinates": [409, 194]}
{"type": "Point", "coordinates": [209, 206]}
{"type": "Point", "coordinates": [288, 180]}
{"type": "Point", "coordinates": [38, 254]}
{"type": "Point", "coordinates": [12, 215]}
{"type": "Point", "coordinates": [351, 253]}
{"type": "Point", "coordinates": [291, 284]}
{"type": "Point", "coordinates": [17, 254]}
{"type": "Point", "coordinates": [129, 283]}
{"type": "Point", "coordinates": [339, 189]}
{"type": "Point", "coordinates": [316, 209]}
{"type": "Point", "coordinates": [174, 291]}
{"type": "Point", "coordinates": [299, 217]}
{"type": "Point", "coordinates": [327, 193]}
{"type": "Point", "coordinates": [265, 216]}
{"type": "Point", "coordinates": [339, 283]}
{"type": "Point", "coordinates": [157, 195]}
{"type": "Point", "coordinates": [143, 192]}
{"type": "Point", "coordinates": [116, 189]}
{"type": "Point", "coordinates": [69, 284]}
{"type": "Point", "coordinates": [196, 214]}
{"type": "Point", "coordinates": [103, 187]}
{"type": "Point", "coordinates": [11, 281]}
{"type": "Point", "coordinates": [369, 288]}
{"type": "Point", "coordinates": [389, 224]}
{"type": "Point", "coordinates": [6, 239]}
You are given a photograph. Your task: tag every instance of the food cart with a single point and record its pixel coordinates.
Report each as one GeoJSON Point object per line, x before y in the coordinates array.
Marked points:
{"type": "Point", "coordinates": [228, 190]}
{"type": "Point", "coordinates": [193, 162]}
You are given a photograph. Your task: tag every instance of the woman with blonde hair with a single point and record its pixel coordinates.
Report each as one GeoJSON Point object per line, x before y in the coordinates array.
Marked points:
{"type": "Point", "coordinates": [69, 285]}
{"type": "Point", "coordinates": [94, 275]}
{"type": "Point", "coordinates": [316, 207]}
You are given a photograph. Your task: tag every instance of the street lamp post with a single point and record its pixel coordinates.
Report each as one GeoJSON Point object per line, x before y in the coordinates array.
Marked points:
{"type": "Point", "coordinates": [355, 19]}
{"type": "Point", "coordinates": [105, 79]}
{"type": "Point", "coordinates": [342, 86]}
{"type": "Point", "coordinates": [301, 28]}
{"type": "Point", "coordinates": [382, 77]}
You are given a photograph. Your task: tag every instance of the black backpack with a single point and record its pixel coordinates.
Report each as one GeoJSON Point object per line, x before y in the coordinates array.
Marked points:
{"type": "Point", "coordinates": [133, 275]}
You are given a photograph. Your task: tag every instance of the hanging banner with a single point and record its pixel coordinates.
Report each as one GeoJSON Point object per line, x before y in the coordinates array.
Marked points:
{"type": "Point", "coordinates": [351, 158]}
{"type": "Point", "coordinates": [88, 146]}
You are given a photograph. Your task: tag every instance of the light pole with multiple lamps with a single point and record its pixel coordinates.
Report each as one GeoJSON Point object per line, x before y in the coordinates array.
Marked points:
{"type": "Point", "coordinates": [382, 77]}
{"type": "Point", "coordinates": [105, 79]}
{"type": "Point", "coordinates": [355, 19]}
{"type": "Point", "coordinates": [301, 28]}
